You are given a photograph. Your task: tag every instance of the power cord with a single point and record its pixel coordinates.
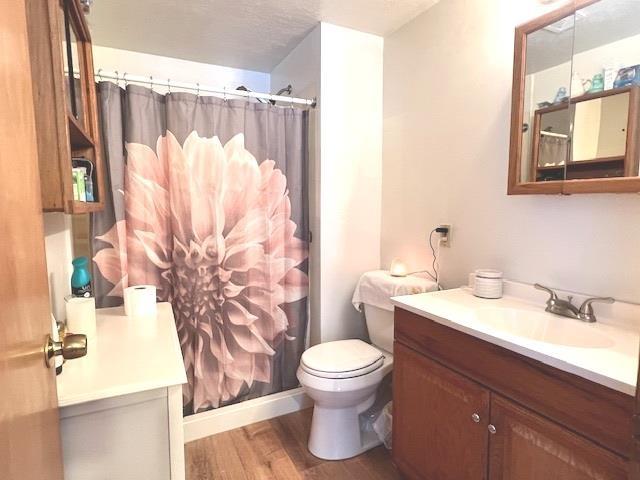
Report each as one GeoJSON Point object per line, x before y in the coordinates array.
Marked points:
{"type": "Point", "coordinates": [435, 266]}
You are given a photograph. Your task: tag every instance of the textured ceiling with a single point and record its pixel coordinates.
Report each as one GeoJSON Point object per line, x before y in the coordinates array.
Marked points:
{"type": "Point", "coordinates": [248, 34]}
{"type": "Point", "coordinates": [599, 24]}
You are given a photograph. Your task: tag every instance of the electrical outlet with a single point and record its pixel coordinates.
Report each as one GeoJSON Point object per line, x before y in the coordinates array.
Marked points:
{"type": "Point", "coordinates": [445, 238]}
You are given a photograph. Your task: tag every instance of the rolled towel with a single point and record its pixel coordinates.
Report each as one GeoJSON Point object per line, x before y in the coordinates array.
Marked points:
{"type": "Point", "coordinates": [377, 287]}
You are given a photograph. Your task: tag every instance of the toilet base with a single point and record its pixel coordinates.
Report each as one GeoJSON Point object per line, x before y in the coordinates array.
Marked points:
{"type": "Point", "coordinates": [336, 433]}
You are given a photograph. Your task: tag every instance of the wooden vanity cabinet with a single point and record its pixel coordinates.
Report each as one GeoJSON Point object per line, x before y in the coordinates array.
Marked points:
{"type": "Point", "coordinates": [66, 104]}
{"type": "Point", "coordinates": [527, 446]}
{"type": "Point", "coordinates": [434, 412]}
{"type": "Point", "coordinates": [468, 409]}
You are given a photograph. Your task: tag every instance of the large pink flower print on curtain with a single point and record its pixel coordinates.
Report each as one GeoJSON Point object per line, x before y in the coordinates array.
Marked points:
{"type": "Point", "coordinates": [212, 229]}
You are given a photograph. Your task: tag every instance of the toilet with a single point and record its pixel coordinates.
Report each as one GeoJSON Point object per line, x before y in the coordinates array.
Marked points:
{"type": "Point", "coordinates": [342, 377]}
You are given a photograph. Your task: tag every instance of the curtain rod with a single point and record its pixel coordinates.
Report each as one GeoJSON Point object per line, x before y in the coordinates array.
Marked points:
{"type": "Point", "coordinates": [552, 134]}
{"type": "Point", "coordinates": [126, 78]}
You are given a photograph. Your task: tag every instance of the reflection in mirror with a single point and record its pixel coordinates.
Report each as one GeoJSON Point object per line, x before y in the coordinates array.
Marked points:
{"type": "Point", "coordinates": [605, 90]}
{"type": "Point", "coordinates": [80, 225]}
{"type": "Point", "coordinates": [71, 64]}
{"type": "Point", "coordinates": [546, 120]}
{"type": "Point", "coordinates": [74, 64]}
{"type": "Point", "coordinates": [600, 137]}
{"type": "Point", "coordinates": [64, 22]}
{"type": "Point", "coordinates": [81, 234]}
{"type": "Point", "coordinates": [551, 143]}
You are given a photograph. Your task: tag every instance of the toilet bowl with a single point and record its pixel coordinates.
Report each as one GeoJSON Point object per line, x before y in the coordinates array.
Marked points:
{"type": "Point", "coordinates": [344, 377]}
{"type": "Point", "coordinates": [341, 394]}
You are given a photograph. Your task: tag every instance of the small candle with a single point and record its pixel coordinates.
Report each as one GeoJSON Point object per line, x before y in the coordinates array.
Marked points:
{"type": "Point", "coordinates": [398, 268]}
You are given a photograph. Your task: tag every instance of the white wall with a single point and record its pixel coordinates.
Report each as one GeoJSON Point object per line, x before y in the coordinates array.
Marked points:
{"type": "Point", "coordinates": [58, 248]}
{"type": "Point", "coordinates": [343, 68]}
{"type": "Point", "coordinates": [301, 69]}
{"type": "Point", "coordinates": [447, 93]}
{"type": "Point", "coordinates": [135, 63]}
{"type": "Point", "coordinates": [351, 172]}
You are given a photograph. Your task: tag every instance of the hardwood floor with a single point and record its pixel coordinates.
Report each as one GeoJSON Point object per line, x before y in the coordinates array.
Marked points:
{"type": "Point", "coordinates": [277, 449]}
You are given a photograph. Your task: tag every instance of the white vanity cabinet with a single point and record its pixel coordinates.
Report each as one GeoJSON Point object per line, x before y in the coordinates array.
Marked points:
{"type": "Point", "coordinates": [121, 405]}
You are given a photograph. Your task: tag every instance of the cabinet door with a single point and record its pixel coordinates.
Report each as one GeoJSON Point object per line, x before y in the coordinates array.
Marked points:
{"type": "Point", "coordinates": [440, 420]}
{"type": "Point", "coordinates": [526, 446]}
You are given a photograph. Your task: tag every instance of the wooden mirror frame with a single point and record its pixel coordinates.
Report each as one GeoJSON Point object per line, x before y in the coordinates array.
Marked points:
{"type": "Point", "coordinates": [567, 187]}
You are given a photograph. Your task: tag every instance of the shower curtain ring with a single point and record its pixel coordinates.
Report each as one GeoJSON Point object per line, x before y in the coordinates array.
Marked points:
{"type": "Point", "coordinates": [100, 74]}
{"type": "Point", "coordinates": [124, 78]}
{"type": "Point", "coordinates": [169, 84]}
{"type": "Point", "coordinates": [151, 81]}
{"type": "Point", "coordinates": [117, 78]}
{"type": "Point", "coordinates": [198, 90]}
{"type": "Point", "coordinates": [224, 93]}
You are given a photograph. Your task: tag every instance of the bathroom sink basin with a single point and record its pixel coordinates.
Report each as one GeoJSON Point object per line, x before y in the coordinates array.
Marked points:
{"type": "Point", "coordinates": [605, 352]}
{"type": "Point", "coordinates": [542, 327]}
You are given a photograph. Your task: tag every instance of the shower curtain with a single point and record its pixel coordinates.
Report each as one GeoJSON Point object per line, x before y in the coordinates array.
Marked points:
{"type": "Point", "coordinates": [553, 151]}
{"type": "Point", "coordinates": [207, 199]}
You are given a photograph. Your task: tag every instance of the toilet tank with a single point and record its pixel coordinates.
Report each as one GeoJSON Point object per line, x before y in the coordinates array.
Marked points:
{"type": "Point", "coordinates": [380, 327]}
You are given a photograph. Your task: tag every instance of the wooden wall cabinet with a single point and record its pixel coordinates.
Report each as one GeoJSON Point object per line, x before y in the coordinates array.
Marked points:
{"type": "Point", "coordinates": [467, 409]}
{"type": "Point", "coordinates": [561, 70]}
{"type": "Point", "coordinates": [65, 102]}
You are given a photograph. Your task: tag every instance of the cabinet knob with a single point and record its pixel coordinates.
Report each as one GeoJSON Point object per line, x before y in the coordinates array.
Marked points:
{"type": "Point", "coordinates": [476, 418]}
{"type": "Point", "coordinates": [492, 429]}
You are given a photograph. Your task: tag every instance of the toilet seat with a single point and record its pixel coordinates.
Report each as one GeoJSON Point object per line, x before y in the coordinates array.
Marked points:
{"type": "Point", "coordinates": [341, 359]}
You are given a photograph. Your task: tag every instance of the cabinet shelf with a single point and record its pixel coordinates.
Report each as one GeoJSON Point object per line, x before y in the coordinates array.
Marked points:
{"type": "Point", "coordinates": [551, 168]}
{"type": "Point", "coordinates": [604, 93]}
{"type": "Point", "coordinates": [596, 161]}
{"type": "Point", "coordinates": [85, 207]}
{"type": "Point", "coordinates": [582, 98]}
{"type": "Point", "coordinates": [583, 163]}
{"type": "Point", "coordinates": [78, 138]}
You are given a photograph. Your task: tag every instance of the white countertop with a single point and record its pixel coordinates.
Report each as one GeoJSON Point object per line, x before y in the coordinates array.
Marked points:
{"type": "Point", "coordinates": [609, 355]}
{"type": "Point", "coordinates": [132, 355]}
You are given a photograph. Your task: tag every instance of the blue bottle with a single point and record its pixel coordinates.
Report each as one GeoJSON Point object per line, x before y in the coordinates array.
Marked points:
{"type": "Point", "coordinates": [81, 278]}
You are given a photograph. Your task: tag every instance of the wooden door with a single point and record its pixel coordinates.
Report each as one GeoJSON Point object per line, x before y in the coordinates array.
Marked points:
{"type": "Point", "coordinates": [435, 436]}
{"type": "Point", "coordinates": [526, 446]}
{"type": "Point", "coordinates": [29, 432]}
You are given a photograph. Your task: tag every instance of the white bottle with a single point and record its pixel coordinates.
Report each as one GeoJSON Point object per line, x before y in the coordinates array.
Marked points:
{"type": "Point", "coordinates": [610, 72]}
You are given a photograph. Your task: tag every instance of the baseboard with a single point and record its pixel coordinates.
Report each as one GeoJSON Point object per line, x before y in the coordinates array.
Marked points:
{"type": "Point", "coordinates": [208, 423]}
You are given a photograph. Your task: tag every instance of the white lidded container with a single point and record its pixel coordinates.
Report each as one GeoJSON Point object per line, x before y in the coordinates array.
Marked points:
{"type": "Point", "coordinates": [487, 283]}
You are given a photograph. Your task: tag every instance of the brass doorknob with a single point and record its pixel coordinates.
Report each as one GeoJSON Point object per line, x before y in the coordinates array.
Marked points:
{"type": "Point", "coordinates": [73, 345]}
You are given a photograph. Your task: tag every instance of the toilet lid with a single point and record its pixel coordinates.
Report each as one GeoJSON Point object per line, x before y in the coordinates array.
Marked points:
{"type": "Point", "coordinates": [341, 359]}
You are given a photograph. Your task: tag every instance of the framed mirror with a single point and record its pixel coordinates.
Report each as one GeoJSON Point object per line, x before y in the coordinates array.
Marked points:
{"type": "Point", "coordinates": [576, 100]}
{"type": "Point", "coordinates": [73, 63]}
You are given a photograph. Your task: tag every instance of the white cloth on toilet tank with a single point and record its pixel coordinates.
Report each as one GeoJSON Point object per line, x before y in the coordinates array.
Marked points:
{"type": "Point", "coordinates": [377, 287]}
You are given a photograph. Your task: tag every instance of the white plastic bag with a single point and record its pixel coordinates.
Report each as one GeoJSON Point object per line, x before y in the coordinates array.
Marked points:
{"type": "Point", "coordinates": [382, 425]}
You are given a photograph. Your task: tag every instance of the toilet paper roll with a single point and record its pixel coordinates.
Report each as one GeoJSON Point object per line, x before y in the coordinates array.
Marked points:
{"type": "Point", "coordinates": [140, 301]}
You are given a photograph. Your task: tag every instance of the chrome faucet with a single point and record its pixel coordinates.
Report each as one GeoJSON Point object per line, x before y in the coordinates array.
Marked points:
{"type": "Point", "coordinates": [566, 308]}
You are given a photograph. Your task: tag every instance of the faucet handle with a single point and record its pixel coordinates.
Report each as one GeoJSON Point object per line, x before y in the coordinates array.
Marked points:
{"type": "Point", "coordinates": [586, 310]}
{"type": "Point", "coordinates": [586, 307]}
{"type": "Point", "coordinates": [551, 293]}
